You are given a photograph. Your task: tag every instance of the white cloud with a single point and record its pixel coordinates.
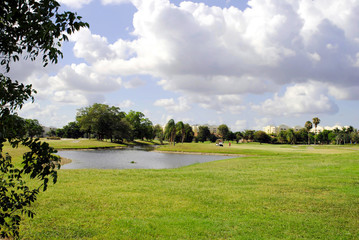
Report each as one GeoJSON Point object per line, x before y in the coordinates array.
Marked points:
{"type": "Point", "coordinates": [344, 93]}
{"type": "Point", "coordinates": [194, 48]}
{"type": "Point", "coordinates": [171, 106]}
{"type": "Point", "coordinates": [134, 83]}
{"type": "Point", "coordinates": [311, 97]}
{"type": "Point", "coordinates": [260, 123]}
{"type": "Point", "coordinates": [75, 3]}
{"type": "Point", "coordinates": [126, 104]}
{"type": "Point", "coordinates": [240, 125]}
{"type": "Point", "coordinates": [216, 57]}
{"type": "Point", "coordinates": [221, 103]}
{"type": "Point", "coordinates": [46, 114]}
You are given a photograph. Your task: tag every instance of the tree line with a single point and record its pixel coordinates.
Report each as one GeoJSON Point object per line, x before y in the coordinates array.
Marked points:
{"type": "Point", "coordinates": [101, 121]}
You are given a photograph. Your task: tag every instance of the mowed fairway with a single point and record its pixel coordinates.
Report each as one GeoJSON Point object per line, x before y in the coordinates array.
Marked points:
{"type": "Point", "coordinates": [275, 192]}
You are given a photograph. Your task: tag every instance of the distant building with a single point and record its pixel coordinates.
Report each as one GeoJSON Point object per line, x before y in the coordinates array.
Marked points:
{"type": "Point", "coordinates": [271, 129]}
{"type": "Point", "coordinates": [213, 129]}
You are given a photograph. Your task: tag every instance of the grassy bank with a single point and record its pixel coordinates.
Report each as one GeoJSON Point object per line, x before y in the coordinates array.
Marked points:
{"type": "Point", "coordinates": [81, 144]}
{"type": "Point", "coordinates": [278, 192]}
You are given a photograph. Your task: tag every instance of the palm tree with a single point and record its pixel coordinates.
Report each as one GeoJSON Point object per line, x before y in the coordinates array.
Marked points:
{"type": "Point", "coordinates": [181, 130]}
{"type": "Point", "coordinates": [308, 125]}
{"type": "Point", "coordinates": [316, 121]}
{"type": "Point", "coordinates": [170, 131]}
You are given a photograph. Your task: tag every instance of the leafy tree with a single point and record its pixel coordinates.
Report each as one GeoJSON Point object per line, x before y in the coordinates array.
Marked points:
{"type": "Point", "coordinates": [141, 126]}
{"type": "Point", "coordinates": [31, 29]}
{"type": "Point", "coordinates": [213, 138]}
{"type": "Point", "coordinates": [104, 121]}
{"type": "Point", "coordinates": [33, 128]}
{"type": "Point", "coordinates": [170, 131]}
{"type": "Point", "coordinates": [189, 133]}
{"type": "Point", "coordinates": [158, 131]}
{"type": "Point", "coordinates": [248, 135]}
{"type": "Point", "coordinates": [302, 135]}
{"type": "Point", "coordinates": [354, 137]}
{"type": "Point", "coordinates": [323, 136]}
{"type": "Point", "coordinates": [52, 132]}
{"type": "Point", "coordinates": [223, 131]}
{"type": "Point", "coordinates": [239, 136]}
{"type": "Point", "coordinates": [60, 132]}
{"type": "Point", "coordinates": [72, 130]}
{"type": "Point", "coordinates": [181, 130]}
{"type": "Point", "coordinates": [308, 125]}
{"type": "Point", "coordinates": [203, 133]}
{"type": "Point", "coordinates": [39, 163]}
{"type": "Point", "coordinates": [261, 137]}
{"type": "Point", "coordinates": [231, 136]}
{"type": "Point", "coordinates": [282, 137]}
{"type": "Point", "coordinates": [291, 137]}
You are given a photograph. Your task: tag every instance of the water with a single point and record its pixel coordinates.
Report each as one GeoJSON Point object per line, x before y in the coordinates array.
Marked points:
{"type": "Point", "coordinates": [131, 158]}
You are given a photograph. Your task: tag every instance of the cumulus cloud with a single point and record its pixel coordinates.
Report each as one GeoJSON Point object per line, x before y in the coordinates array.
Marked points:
{"type": "Point", "coordinates": [344, 93]}
{"type": "Point", "coordinates": [126, 104]}
{"type": "Point", "coordinates": [134, 83]}
{"type": "Point", "coordinates": [311, 97]}
{"type": "Point", "coordinates": [220, 103]}
{"type": "Point", "coordinates": [215, 52]}
{"type": "Point", "coordinates": [46, 114]}
{"type": "Point", "coordinates": [240, 125]}
{"type": "Point", "coordinates": [75, 3]}
{"type": "Point", "coordinates": [215, 57]}
{"type": "Point", "coordinates": [170, 104]}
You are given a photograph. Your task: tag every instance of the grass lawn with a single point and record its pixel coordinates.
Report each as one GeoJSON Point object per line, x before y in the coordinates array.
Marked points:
{"type": "Point", "coordinates": [81, 143]}
{"type": "Point", "coordinates": [276, 192]}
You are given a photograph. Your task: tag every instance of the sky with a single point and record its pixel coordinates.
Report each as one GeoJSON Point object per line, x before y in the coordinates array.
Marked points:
{"type": "Point", "coordinates": [244, 64]}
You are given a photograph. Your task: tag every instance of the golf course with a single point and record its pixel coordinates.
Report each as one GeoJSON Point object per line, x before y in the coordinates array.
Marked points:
{"type": "Point", "coordinates": [263, 192]}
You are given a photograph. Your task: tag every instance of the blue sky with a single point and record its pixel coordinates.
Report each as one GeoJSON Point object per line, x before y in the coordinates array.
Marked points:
{"type": "Point", "coordinates": [245, 64]}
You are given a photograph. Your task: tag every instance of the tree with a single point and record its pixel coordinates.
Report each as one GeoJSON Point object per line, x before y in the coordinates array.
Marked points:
{"type": "Point", "coordinates": [239, 136]}
{"type": "Point", "coordinates": [141, 126]}
{"type": "Point", "coordinates": [33, 128]}
{"type": "Point", "coordinates": [231, 136]}
{"type": "Point", "coordinates": [308, 125]}
{"type": "Point", "coordinates": [170, 131]}
{"type": "Point", "coordinates": [189, 133]}
{"type": "Point", "coordinates": [223, 131]}
{"type": "Point", "coordinates": [261, 137]}
{"type": "Point", "coordinates": [72, 130]}
{"type": "Point", "coordinates": [316, 121]}
{"type": "Point", "coordinates": [181, 130]}
{"type": "Point", "coordinates": [203, 133]}
{"type": "Point", "coordinates": [104, 121]}
{"type": "Point", "coordinates": [291, 138]}
{"type": "Point", "coordinates": [282, 137]}
{"type": "Point", "coordinates": [31, 29]}
{"type": "Point", "coordinates": [158, 131]}
{"type": "Point", "coordinates": [248, 135]}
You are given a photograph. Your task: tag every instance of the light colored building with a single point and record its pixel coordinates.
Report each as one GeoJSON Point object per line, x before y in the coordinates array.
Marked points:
{"type": "Point", "coordinates": [213, 129]}
{"type": "Point", "coordinates": [275, 129]}
{"type": "Point", "coordinates": [270, 129]}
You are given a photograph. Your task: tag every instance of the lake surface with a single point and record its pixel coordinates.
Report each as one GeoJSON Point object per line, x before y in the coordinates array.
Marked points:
{"type": "Point", "coordinates": [131, 158]}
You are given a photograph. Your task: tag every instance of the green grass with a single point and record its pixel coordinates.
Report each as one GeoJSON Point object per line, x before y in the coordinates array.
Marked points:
{"type": "Point", "coordinates": [277, 192]}
{"type": "Point", "coordinates": [81, 144]}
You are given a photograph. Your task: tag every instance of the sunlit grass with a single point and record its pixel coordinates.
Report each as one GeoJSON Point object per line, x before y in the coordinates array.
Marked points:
{"type": "Point", "coordinates": [277, 192]}
{"type": "Point", "coordinates": [81, 143]}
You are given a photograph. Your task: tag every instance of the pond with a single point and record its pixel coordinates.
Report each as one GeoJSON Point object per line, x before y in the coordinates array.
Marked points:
{"type": "Point", "coordinates": [131, 158]}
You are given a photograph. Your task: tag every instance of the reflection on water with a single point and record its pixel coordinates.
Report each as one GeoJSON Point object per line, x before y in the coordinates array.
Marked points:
{"type": "Point", "coordinates": [131, 158]}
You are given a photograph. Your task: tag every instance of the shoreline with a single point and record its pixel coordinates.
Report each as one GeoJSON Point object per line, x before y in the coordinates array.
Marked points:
{"type": "Point", "coordinates": [201, 153]}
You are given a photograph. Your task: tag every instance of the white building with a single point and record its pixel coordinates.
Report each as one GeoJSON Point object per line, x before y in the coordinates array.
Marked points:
{"type": "Point", "coordinates": [270, 129]}
{"type": "Point", "coordinates": [213, 129]}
